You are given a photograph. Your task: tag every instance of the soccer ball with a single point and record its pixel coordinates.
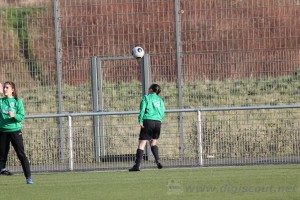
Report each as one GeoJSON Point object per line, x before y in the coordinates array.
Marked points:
{"type": "Point", "coordinates": [138, 52]}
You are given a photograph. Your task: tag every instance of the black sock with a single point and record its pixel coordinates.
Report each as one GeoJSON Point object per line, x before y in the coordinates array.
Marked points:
{"type": "Point", "coordinates": [154, 150]}
{"type": "Point", "coordinates": [139, 156]}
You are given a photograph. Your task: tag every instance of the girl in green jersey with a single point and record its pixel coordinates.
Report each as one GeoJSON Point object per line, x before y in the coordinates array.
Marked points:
{"type": "Point", "coordinates": [152, 112]}
{"type": "Point", "coordinates": [11, 117]}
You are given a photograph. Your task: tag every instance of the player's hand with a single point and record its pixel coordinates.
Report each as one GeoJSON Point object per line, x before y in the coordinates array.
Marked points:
{"type": "Point", "coordinates": [141, 125]}
{"type": "Point", "coordinates": [1, 88]}
{"type": "Point", "coordinates": [11, 114]}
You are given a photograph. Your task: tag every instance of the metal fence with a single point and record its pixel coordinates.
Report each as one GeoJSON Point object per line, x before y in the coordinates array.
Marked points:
{"type": "Point", "coordinates": [212, 137]}
{"type": "Point", "coordinates": [204, 54]}
{"type": "Point", "coordinates": [194, 45]}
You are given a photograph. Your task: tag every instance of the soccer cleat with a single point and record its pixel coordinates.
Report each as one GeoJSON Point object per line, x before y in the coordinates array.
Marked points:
{"type": "Point", "coordinates": [159, 165]}
{"type": "Point", "coordinates": [29, 181]}
{"type": "Point", "coordinates": [6, 172]}
{"type": "Point", "coordinates": [135, 168]}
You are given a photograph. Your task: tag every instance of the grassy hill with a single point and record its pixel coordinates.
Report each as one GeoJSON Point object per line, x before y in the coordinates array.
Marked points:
{"type": "Point", "coordinates": [220, 39]}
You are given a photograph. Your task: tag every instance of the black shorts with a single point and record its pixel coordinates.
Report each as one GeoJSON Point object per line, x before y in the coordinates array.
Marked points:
{"type": "Point", "coordinates": [151, 130]}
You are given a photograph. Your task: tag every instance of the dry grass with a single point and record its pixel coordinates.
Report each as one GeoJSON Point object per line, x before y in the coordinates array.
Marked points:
{"type": "Point", "coordinates": [220, 39]}
{"type": "Point", "coordinates": [4, 3]}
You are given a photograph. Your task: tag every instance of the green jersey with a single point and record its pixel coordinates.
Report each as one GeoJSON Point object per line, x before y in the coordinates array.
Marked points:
{"type": "Point", "coordinates": [7, 123]}
{"type": "Point", "coordinates": [152, 107]}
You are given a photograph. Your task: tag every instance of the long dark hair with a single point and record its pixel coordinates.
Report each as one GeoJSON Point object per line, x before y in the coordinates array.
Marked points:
{"type": "Point", "coordinates": [13, 86]}
{"type": "Point", "coordinates": [155, 88]}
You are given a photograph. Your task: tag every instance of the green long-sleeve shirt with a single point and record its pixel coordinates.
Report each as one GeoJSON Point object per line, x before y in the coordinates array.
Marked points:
{"type": "Point", "coordinates": [7, 123]}
{"type": "Point", "coordinates": [151, 107]}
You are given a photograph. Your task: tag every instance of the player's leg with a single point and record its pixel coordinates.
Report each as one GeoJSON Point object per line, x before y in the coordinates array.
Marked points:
{"type": "Point", "coordinates": [4, 149]}
{"type": "Point", "coordinates": [154, 149]}
{"type": "Point", "coordinates": [153, 144]}
{"type": "Point", "coordinates": [140, 152]}
{"type": "Point", "coordinates": [143, 138]}
{"type": "Point", "coordinates": [139, 155]}
{"type": "Point", "coordinates": [4, 170]}
{"type": "Point", "coordinates": [17, 143]}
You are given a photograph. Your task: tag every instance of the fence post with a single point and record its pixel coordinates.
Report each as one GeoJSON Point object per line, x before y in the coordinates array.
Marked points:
{"type": "Point", "coordinates": [58, 55]}
{"type": "Point", "coordinates": [146, 82]}
{"type": "Point", "coordinates": [199, 134]}
{"type": "Point", "coordinates": [179, 73]}
{"type": "Point", "coordinates": [71, 161]}
{"type": "Point", "coordinates": [98, 121]}
{"type": "Point", "coordinates": [146, 73]}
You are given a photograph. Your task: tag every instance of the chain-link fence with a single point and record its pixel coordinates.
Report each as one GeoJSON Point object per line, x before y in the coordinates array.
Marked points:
{"type": "Point", "coordinates": [212, 137]}
{"type": "Point", "coordinates": [204, 53]}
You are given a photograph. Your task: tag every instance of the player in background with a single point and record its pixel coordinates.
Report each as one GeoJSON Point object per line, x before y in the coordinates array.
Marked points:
{"type": "Point", "coordinates": [152, 112]}
{"type": "Point", "coordinates": [11, 116]}
{"type": "Point", "coordinates": [3, 170]}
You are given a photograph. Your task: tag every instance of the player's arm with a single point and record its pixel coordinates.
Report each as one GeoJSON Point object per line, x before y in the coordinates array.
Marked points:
{"type": "Point", "coordinates": [20, 113]}
{"type": "Point", "coordinates": [163, 108]}
{"type": "Point", "coordinates": [143, 105]}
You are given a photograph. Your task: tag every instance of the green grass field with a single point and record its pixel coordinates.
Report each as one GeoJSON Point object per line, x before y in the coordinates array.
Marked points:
{"type": "Point", "coordinates": [245, 182]}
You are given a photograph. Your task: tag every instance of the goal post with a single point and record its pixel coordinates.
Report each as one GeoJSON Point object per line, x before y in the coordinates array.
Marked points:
{"type": "Point", "coordinates": [97, 97]}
